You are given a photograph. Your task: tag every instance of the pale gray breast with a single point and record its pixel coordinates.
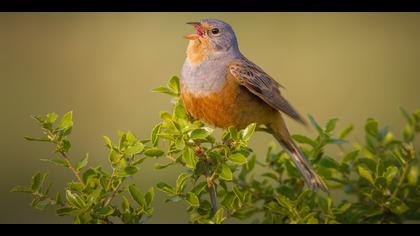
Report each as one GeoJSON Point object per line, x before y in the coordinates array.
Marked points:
{"type": "Point", "coordinates": [208, 76]}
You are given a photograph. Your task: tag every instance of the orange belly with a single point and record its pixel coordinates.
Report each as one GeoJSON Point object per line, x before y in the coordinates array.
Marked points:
{"type": "Point", "coordinates": [233, 106]}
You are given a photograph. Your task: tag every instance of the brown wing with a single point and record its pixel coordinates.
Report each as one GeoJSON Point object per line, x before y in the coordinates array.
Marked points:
{"type": "Point", "coordinates": [261, 84]}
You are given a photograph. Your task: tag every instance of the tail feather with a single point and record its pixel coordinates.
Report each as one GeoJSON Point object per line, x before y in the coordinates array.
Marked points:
{"type": "Point", "coordinates": [312, 179]}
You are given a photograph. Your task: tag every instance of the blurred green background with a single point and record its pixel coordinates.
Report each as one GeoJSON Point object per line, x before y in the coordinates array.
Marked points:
{"type": "Point", "coordinates": [104, 65]}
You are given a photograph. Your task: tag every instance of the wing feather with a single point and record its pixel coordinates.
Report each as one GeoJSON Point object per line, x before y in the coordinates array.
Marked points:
{"type": "Point", "coordinates": [261, 84]}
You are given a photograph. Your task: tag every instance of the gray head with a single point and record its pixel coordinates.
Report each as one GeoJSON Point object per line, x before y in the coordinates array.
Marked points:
{"type": "Point", "coordinates": [217, 33]}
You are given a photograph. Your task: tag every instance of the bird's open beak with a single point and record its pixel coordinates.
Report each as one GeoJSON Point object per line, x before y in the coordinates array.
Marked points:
{"type": "Point", "coordinates": [199, 32]}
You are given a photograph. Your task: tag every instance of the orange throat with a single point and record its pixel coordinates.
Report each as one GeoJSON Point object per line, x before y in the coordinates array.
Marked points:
{"type": "Point", "coordinates": [198, 50]}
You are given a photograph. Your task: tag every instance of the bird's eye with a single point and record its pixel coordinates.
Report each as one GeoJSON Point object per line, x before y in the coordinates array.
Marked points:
{"type": "Point", "coordinates": [215, 31]}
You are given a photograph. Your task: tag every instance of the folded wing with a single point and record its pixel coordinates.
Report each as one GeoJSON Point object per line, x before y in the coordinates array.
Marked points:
{"type": "Point", "coordinates": [261, 84]}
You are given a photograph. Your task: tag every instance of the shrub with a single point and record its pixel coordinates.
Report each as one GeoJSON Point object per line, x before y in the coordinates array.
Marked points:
{"type": "Point", "coordinates": [373, 182]}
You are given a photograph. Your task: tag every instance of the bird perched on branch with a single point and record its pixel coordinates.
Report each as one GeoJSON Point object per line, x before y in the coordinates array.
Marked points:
{"type": "Point", "coordinates": [221, 87]}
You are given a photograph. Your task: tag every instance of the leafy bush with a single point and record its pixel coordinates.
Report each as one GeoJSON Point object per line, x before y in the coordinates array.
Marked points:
{"type": "Point", "coordinates": [374, 182]}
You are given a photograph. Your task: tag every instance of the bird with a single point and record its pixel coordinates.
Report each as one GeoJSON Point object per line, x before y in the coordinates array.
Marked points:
{"type": "Point", "coordinates": [222, 88]}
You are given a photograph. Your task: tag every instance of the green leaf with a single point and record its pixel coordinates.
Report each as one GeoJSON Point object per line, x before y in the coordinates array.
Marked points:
{"type": "Point", "coordinates": [180, 143]}
{"type": "Point", "coordinates": [65, 211]}
{"type": "Point", "coordinates": [74, 199]}
{"type": "Point", "coordinates": [396, 206]}
{"type": "Point", "coordinates": [200, 133]}
{"type": "Point", "coordinates": [228, 200]}
{"type": "Point", "coordinates": [408, 133]}
{"type": "Point", "coordinates": [58, 200]}
{"type": "Point", "coordinates": [413, 175]}
{"type": "Point", "coordinates": [137, 195]}
{"type": "Point", "coordinates": [160, 166]}
{"type": "Point", "coordinates": [174, 84]}
{"type": "Point", "coordinates": [37, 139]}
{"type": "Point", "coordinates": [135, 149]}
{"type": "Point", "coordinates": [407, 116]}
{"type": "Point", "coordinates": [130, 170]}
{"type": "Point", "coordinates": [233, 133]}
{"type": "Point", "coordinates": [108, 142]}
{"type": "Point", "coordinates": [138, 161]}
{"type": "Point", "coordinates": [226, 173]}
{"type": "Point", "coordinates": [65, 145]}
{"type": "Point", "coordinates": [166, 116]}
{"type": "Point", "coordinates": [66, 121]}
{"type": "Point", "coordinates": [125, 205]}
{"type": "Point", "coordinates": [149, 196]}
{"type": "Point", "coordinates": [131, 139]}
{"type": "Point", "coordinates": [181, 181]}
{"type": "Point", "coordinates": [336, 141]}
{"type": "Point", "coordinates": [81, 164]}
{"type": "Point", "coordinates": [328, 162]}
{"type": "Point", "coordinates": [199, 188]}
{"type": "Point", "coordinates": [122, 141]}
{"type": "Point", "coordinates": [40, 204]}
{"type": "Point", "coordinates": [366, 174]}
{"type": "Point", "coordinates": [104, 211]}
{"type": "Point", "coordinates": [37, 181]}
{"type": "Point", "coordinates": [390, 173]}
{"type": "Point", "coordinates": [192, 199]}
{"type": "Point", "coordinates": [165, 90]}
{"type": "Point", "coordinates": [351, 156]}
{"type": "Point", "coordinates": [153, 152]}
{"type": "Point", "coordinates": [331, 125]}
{"type": "Point", "coordinates": [371, 127]}
{"type": "Point", "coordinates": [315, 124]}
{"type": "Point", "coordinates": [312, 220]}
{"type": "Point", "coordinates": [189, 158]}
{"type": "Point", "coordinates": [154, 135]}
{"type": "Point", "coordinates": [75, 186]}
{"type": "Point", "coordinates": [238, 158]}
{"type": "Point", "coordinates": [51, 117]}
{"type": "Point", "coordinates": [21, 189]}
{"type": "Point", "coordinates": [346, 131]}
{"type": "Point", "coordinates": [114, 157]}
{"type": "Point", "coordinates": [179, 111]}
{"type": "Point", "coordinates": [56, 161]}
{"type": "Point", "coordinates": [381, 182]}
{"type": "Point", "coordinates": [219, 216]}
{"type": "Point", "coordinates": [166, 188]}
{"type": "Point", "coordinates": [248, 131]}
{"type": "Point", "coordinates": [304, 139]}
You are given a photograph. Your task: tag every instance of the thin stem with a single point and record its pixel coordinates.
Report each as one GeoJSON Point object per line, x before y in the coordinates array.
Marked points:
{"type": "Point", "coordinates": [71, 167]}
{"type": "Point", "coordinates": [401, 182]}
{"type": "Point", "coordinates": [66, 159]}
{"type": "Point", "coordinates": [111, 180]}
{"type": "Point", "coordinates": [52, 201]}
{"type": "Point", "coordinates": [113, 194]}
{"type": "Point", "coordinates": [212, 193]}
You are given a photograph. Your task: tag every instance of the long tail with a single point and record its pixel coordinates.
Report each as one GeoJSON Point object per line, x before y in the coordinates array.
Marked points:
{"type": "Point", "coordinates": [312, 179]}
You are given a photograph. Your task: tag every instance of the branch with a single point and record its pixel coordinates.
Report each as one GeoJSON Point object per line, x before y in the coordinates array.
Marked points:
{"type": "Point", "coordinates": [71, 167]}
{"type": "Point", "coordinates": [48, 198]}
{"type": "Point", "coordinates": [401, 182]}
{"type": "Point", "coordinates": [212, 192]}
{"type": "Point", "coordinates": [113, 194]}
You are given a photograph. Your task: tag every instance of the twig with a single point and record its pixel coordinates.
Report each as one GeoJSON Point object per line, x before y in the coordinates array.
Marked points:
{"type": "Point", "coordinates": [111, 180]}
{"type": "Point", "coordinates": [66, 159]}
{"type": "Point", "coordinates": [46, 197]}
{"type": "Point", "coordinates": [71, 167]}
{"type": "Point", "coordinates": [212, 192]}
{"type": "Point", "coordinates": [113, 194]}
{"type": "Point", "coordinates": [401, 182]}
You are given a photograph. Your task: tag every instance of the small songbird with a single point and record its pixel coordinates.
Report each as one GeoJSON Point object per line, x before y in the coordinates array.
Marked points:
{"type": "Point", "coordinates": [221, 87]}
